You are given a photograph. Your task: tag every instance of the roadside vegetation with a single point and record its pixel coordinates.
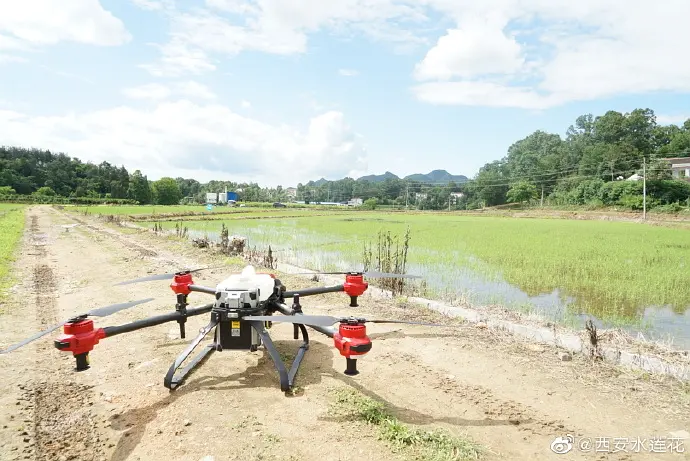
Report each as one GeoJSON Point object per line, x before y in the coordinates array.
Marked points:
{"type": "Point", "coordinates": [11, 228]}
{"type": "Point", "coordinates": [414, 443]}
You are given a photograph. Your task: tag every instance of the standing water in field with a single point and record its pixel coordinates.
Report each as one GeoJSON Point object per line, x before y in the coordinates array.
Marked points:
{"type": "Point", "coordinates": [620, 274]}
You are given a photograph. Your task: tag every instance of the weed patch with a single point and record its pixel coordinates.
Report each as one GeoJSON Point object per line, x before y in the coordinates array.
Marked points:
{"type": "Point", "coordinates": [418, 444]}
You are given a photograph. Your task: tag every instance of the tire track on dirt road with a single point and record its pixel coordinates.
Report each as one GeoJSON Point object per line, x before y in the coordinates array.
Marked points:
{"type": "Point", "coordinates": [59, 409]}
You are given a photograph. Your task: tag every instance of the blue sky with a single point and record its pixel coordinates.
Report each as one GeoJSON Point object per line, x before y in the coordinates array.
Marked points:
{"type": "Point", "coordinates": [281, 92]}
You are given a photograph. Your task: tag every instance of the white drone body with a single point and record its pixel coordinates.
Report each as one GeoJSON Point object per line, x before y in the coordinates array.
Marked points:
{"type": "Point", "coordinates": [249, 280]}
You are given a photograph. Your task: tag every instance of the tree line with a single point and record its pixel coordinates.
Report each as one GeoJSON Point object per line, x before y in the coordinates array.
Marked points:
{"type": "Point", "coordinates": [31, 174]}
{"type": "Point", "coordinates": [589, 166]}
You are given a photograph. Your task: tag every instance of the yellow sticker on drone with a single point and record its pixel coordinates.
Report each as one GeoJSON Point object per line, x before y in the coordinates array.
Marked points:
{"type": "Point", "coordinates": [235, 324]}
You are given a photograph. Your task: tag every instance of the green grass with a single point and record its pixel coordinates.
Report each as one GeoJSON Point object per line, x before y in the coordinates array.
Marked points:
{"type": "Point", "coordinates": [419, 444]}
{"type": "Point", "coordinates": [11, 228]}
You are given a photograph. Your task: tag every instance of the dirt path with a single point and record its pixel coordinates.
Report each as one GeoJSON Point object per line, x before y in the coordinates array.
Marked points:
{"type": "Point", "coordinates": [509, 396]}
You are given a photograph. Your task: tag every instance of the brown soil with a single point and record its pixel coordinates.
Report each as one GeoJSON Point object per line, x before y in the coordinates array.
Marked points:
{"type": "Point", "coordinates": [512, 397]}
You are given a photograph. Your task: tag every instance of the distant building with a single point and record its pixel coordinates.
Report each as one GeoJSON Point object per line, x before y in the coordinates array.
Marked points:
{"type": "Point", "coordinates": [355, 202]}
{"type": "Point", "coordinates": [291, 192]}
{"type": "Point", "coordinates": [211, 197]}
{"type": "Point", "coordinates": [455, 196]}
{"type": "Point", "coordinates": [680, 167]}
{"type": "Point", "coordinates": [419, 196]}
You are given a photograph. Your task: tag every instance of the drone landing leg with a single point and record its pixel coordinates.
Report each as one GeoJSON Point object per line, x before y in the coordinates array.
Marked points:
{"type": "Point", "coordinates": [171, 381]}
{"type": "Point", "coordinates": [287, 379]}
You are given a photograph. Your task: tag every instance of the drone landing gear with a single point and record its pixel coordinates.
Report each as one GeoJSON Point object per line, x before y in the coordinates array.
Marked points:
{"type": "Point", "coordinates": [287, 378]}
{"type": "Point", "coordinates": [174, 379]}
{"type": "Point", "coordinates": [171, 381]}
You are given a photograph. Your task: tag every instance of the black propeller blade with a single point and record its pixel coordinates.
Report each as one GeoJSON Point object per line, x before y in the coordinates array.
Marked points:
{"type": "Point", "coordinates": [99, 312]}
{"type": "Point", "coordinates": [326, 320]}
{"type": "Point", "coordinates": [369, 274]}
{"type": "Point", "coordinates": [149, 278]}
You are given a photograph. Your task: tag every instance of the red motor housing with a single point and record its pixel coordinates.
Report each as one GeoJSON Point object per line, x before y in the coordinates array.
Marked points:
{"type": "Point", "coordinates": [352, 342]}
{"type": "Point", "coordinates": [354, 286]}
{"type": "Point", "coordinates": [181, 282]}
{"type": "Point", "coordinates": [79, 338]}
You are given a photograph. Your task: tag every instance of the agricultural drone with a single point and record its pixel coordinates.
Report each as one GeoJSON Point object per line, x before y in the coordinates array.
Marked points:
{"type": "Point", "coordinates": [241, 314]}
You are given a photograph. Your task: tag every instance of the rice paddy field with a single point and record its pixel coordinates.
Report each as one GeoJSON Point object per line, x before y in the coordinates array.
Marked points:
{"type": "Point", "coordinates": [620, 273]}
{"type": "Point", "coordinates": [11, 228]}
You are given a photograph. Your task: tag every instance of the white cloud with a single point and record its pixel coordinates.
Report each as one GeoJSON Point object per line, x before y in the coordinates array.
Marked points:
{"type": "Point", "coordinates": [208, 141]}
{"type": "Point", "coordinates": [194, 90]}
{"type": "Point", "coordinates": [478, 48]}
{"type": "Point", "coordinates": [481, 94]}
{"type": "Point", "coordinates": [348, 72]}
{"type": "Point", "coordinates": [148, 91]}
{"type": "Point", "coordinates": [159, 91]}
{"type": "Point", "coordinates": [29, 24]}
{"type": "Point", "coordinates": [246, 104]}
{"type": "Point", "coordinates": [154, 5]}
{"type": "Point", "coordinates": [278, 27]}
{"type": "Point", "coordinates": [179, 58]}
{"type": "Point", "coordinates": [572, 51]}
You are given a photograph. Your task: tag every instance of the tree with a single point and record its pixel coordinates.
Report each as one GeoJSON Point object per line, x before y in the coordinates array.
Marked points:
{"type": "Point", "coordinates": [166, 192]}
{"type": "Point", "coordinates": [522, 191]}
{"type": "Point", "coordinates": [139, 188]}
{"type": "Point", "coordinates": [369, 204]}
{"type": "Point", "coordinates": [45, 191]}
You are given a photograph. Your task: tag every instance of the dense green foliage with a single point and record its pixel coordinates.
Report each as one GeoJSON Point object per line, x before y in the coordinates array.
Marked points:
{"type": "Point", "coordinates": [586, 167]}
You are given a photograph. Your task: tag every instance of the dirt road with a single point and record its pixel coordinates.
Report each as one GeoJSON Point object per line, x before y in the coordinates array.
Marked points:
{"type": "Point", "coordinates": [511, 397]}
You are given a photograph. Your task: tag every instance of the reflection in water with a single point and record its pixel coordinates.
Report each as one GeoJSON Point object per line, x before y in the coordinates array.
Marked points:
{"type": "Point", "coordinates": [449, 276]}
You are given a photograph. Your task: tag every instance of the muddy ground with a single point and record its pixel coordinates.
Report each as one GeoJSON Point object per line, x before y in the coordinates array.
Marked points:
{"type": "Point", "coordinates": [511, 397]}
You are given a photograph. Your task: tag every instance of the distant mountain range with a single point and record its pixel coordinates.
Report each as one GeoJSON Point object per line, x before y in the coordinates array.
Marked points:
{"type": "Point", "coordinates": [435, 177]}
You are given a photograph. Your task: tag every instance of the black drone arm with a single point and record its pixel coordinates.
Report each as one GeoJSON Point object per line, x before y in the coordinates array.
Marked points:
{"type": "Point", "coordinates": [297, 310]}
{"type": "Point", "coordinates": [157, 320]}
{"type": "Point", "coordinates": [202, 289]}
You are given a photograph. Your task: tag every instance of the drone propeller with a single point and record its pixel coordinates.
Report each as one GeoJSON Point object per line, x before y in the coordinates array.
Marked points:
{"type": "Point", "coordinates": [326, 320]}
{"type": "Point", "coordinates": [149, 278]}
{"type": "Point", "coordinates": [99, 312]}
{"type": "Point", "coordinates": [369, 274]}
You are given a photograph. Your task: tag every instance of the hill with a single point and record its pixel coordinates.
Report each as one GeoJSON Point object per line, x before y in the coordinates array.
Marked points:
{"type": "Point", "coordinates": [435, 177]}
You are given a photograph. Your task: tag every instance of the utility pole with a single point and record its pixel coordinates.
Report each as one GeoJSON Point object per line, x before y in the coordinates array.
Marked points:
{"type": "Point", "coordinates": [542, 195]}
{"type": "Point", "coordinates": [407, 195]}
{"type": "Point", "coordinates": [644, 188]}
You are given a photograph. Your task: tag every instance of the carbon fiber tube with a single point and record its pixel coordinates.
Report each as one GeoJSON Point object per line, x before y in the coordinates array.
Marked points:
{"type": "Point", "coordinates": [285, 310]}
{"type": "Point", "coordinates": [153, 321]}
{"type": "Point", "coordinates": [314, 291]}
{"type": "Point", "coordinates": [200, 289]}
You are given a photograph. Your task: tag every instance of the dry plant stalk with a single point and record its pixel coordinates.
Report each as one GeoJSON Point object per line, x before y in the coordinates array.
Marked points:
{"type": "Point", "coordinates": [390, 257]}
